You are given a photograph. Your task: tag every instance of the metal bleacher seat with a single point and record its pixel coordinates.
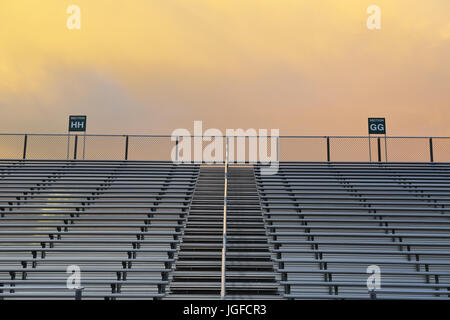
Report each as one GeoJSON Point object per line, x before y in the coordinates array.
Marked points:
{"type": "Point", "coordinates": [327, 222]}
{"type": "Point", "coordinates": [119, 221]}
{"type": "Point", "coordinates": [154, 229]}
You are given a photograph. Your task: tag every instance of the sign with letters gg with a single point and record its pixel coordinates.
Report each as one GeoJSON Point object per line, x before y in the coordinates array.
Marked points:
{"type": "Point", "coordinates": [77, 123]}
{"type": "Point", "coordinates": [377, 126]}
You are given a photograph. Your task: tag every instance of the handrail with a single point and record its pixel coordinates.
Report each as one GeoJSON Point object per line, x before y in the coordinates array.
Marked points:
{"type": "Point", "coordinates": [327, 142]}
{"type": "Point", "coordinates": [213, 136]}
{"type": "Point", "coordinates": [224, 234]}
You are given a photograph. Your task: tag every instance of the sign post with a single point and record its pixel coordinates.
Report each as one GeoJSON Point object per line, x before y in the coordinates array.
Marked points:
{"type": "Point", "coordinates": [76, 124]}
{"type": "Point", "coordinates": [377, 126]}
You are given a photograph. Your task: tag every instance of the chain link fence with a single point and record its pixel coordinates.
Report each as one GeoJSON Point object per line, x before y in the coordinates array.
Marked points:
{"type": "Point", "coordinates": [303, 149]}
{"type": "Point", "coordinates": [149, 148]}
{"type": "Point", "coordinates": [349, 149]}
{"type": "Point", "coordinates": [408, 150]}
{"type": "Point", "coordinates": [214, 149]}
{"type": "Point", "coordinates": [441, 149]}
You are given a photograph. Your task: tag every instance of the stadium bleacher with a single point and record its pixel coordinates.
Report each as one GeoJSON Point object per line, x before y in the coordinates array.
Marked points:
{"type": "Point", "coordinates": [328, 222]}
{"type": "Point", "coordinates": [119, 221]}
{"type": "Point", "coordinates": [153, 230]}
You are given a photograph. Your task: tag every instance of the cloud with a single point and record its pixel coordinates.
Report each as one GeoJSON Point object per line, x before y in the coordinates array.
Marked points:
{"type": "Point", "coordinates": [305, 67]}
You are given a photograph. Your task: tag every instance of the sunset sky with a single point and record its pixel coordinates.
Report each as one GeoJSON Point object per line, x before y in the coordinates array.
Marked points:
{"type": "Point", "coordinates": [306, 67]}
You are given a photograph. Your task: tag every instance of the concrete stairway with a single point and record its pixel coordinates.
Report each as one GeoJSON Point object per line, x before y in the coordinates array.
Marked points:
{"type": "Point", "coordinates": [249, 272]}
{"type": "Point", "coordinates": [249, 268]}
{"type": "Point", "coordinates": [198, 265]}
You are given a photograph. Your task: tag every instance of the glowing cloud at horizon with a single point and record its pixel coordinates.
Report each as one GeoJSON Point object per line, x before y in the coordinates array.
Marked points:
{"type": "Point", "coordinates": [305, 67]}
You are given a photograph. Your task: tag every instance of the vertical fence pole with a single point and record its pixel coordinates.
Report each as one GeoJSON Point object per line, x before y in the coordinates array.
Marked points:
{"type": "Point", "coordinates": [379, 149]}
{"type": "Point", "coordinates": [385, 148]}
{"type": "Point", "coordinates": [370, 150]}
{"type": "Point", "coordinates": [176, 150]}
{"type": "Point", "coordinates": [75, 148]}
{"type": "Point", "coordinates": [431, 150]}
{"type": "Point", "coordinates": [84, 145]}
{"type": "Point", "coordinates": [328, 149]}
{"type": "Point", "coordinates": [68, 145]}
{"type": "Point", "coordinates": [126, 147]}
{"type": "Point", "coordinates": [227, 150]}
{"type": "Point", "coordinates": [278, 149]}
{"type": "Point", "coordinates": [25, 141]}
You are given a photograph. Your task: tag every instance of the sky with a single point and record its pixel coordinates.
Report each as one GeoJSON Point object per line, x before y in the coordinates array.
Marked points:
{"type": "Point", "coordinates": [305, 67]}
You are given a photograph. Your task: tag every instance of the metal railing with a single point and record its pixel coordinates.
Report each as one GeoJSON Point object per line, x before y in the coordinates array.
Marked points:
{"type": "Point", "coordinates": [224, 234]}
{"type": "Point", "coordinates": [284, 148]}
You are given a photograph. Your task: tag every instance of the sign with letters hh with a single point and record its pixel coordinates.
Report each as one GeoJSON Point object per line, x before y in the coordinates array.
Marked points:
{"type": "Point", "coordinates": [77, 123]}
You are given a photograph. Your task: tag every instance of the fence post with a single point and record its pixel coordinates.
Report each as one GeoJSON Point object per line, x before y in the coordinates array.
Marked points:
{"type": "Point", "coordinates": [328, 149]}
{"type": "Point", "coordinates": [431, 150]}
{"type": "Point", "coordinates": [226, 150]}
{"type": "Point", "coordinates": [176, 150]}
{"type": "Point", "coordinates": [278, 149]}
{"type": "Point", "coordinates": [126, 147]}
{"type": "Point", "coordinates": [84, 145]}
{"type": "Point", "coordinates": [379, 149]}
{"type": "Point", "coordinates": [385, 148]}
{"type": "Point", "coordinates": [25, 141]}
{"type": "Point", "coordinates": [68, 145]}
{"type": "Point", "coordinates": [75, 148]}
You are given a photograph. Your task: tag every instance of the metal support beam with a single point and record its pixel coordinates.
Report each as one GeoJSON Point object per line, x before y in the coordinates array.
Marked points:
{"type": "Point", "coordinates": [431, 150]}
{"type": "Point", "coordinates": [84, 145]}
{"type": "Point", "coordinates": [328, 149]}
{"type": "Point", "coordinates": [25, 141]}
{"type": "Point", "coordinates": [176, 150]}
{"type": "Point", "coordinates": [126, 147]}
{"type": "Point", "coordinates": [68, 145]}
{"type": "Point", "coordinates": [75, 148]}
{"type": "Point", "coordinates": [278, 149]}
{"type": "Point", "coordinates": [379, 149]}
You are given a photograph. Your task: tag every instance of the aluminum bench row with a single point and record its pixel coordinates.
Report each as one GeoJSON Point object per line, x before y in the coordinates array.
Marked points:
{"type": "Point", "coordinates": [120, 222]}
{"type": "Point", "coordinates": [327, 222]}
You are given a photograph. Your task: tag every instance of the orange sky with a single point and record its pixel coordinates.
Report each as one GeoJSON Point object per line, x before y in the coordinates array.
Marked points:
{"type": "Point", "coordinates": [147, 66]}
